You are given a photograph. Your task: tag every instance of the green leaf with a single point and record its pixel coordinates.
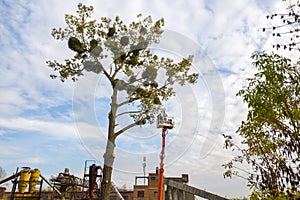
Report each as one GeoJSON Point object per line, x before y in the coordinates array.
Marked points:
{"type": "Point", "coordinates": [111, 32]}
{"type": "Point", "coordinates": [75, 45]}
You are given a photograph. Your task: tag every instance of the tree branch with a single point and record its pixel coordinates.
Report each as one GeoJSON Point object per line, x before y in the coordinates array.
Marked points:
{"type": "Point", "coordinates": [104, 71]}
{"type": "Point", "coordinates": [128, 127]}
{"type": "Point", "coordinates": [117, 70]}
{"type": "Point", "coordinates": [128, 112]}
{"type": "Point", "coordinates": [127, 102]}
{"type": "Point", "coordinates": [107, 75]}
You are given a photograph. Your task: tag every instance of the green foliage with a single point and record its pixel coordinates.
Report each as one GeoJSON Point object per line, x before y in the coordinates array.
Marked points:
{"type": "Point", "coordinates": [258, 194]}
{"type": "Point", "coordinates": [92, 66]}
{"type": "Point", "coordinates": [271, 131]}
{"type": "Point", "coordinates": [127, 45]}
{"type": "Point", "coordinates": [75, 45]}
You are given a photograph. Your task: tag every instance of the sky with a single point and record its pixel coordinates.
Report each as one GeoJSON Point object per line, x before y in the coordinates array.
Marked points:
{"type": "Point", "coordinates": [50, 125]}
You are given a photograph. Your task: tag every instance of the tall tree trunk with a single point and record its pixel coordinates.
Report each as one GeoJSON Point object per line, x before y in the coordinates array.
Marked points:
{"type": "Point", "coordinates": [109, 155]}
{"type": "Point", "coordinates": [107, 173]}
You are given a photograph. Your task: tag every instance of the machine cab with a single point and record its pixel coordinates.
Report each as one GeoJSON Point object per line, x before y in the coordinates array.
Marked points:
{"type": "Point", "coordinates": [163, 121]}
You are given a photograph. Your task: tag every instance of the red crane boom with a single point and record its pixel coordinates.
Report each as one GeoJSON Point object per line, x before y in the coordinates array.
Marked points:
{"type": "Point", "coordinates": [164, 122]}
{"type": "Point", "coordinates": [161, 169]}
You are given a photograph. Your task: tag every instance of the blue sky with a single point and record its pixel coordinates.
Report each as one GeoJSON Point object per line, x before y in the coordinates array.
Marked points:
{"type": "Point", "coordinates": [51, 125]}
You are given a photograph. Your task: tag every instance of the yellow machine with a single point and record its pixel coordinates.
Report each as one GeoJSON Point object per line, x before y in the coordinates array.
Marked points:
{"type": "Point", "coordinates": [27, 184]}
{"type": "Point", "coordinates": [23, 180]}
{"type": "Point", "coordinates": [34, 178]}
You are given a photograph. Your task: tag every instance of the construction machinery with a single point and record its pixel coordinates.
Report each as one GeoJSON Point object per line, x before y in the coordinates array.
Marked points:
{"type": "Point", "coordinates": [164, 122]}
{"type": "Point", "coordinates": [93, 176]}
{"type": "Point", "coordinates": [27, 184]}
{"type": "Point", "coordinates": [69, 186]}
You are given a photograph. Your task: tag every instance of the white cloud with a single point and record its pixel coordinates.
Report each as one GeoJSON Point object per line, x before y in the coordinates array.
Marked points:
{"type": "Point", "coordinates": [8, 150]}
{"type": "Point", "coordinates": [56, 129]}
{"type": "Point", "coordinates": [32, 161]}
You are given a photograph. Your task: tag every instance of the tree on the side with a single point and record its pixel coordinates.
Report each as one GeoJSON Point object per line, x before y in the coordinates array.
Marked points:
{"type": "Point", "coordinates": [271, 132]}
{"type": "Point", "coordinates": [146, 79]}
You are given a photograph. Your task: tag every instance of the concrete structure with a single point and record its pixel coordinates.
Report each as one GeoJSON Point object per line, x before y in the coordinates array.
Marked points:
{"type": "Point", "coordinates": [178, 191]}
{"type": "Point", "coordinates": [175, 193]}
{"type": "Point", "coordinates": [149, 191]}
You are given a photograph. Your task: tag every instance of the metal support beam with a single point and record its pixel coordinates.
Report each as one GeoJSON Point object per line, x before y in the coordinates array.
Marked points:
{"type": "Point", "coordinates": [193, 190]}
{"type": "Point", "coordinates": [10, 178]}
{"type": "Point", "coordinates": [52, 186]}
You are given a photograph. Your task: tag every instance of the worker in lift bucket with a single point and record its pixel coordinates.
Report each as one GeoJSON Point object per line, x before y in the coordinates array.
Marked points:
{"type": "Point", "coordinates": [162, 117]}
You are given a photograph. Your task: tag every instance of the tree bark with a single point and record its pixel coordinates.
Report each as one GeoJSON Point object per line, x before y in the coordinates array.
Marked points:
{"type": "Point", "coordinates": [109, 155]}
{"type": "Point", "coordinates": [106, 183]}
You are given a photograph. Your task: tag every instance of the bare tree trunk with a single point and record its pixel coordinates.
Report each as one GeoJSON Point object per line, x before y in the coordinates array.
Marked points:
{"type": "Point", "coordinates": [109, 155]}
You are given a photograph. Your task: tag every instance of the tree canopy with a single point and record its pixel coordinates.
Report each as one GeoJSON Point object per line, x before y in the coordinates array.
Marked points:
{"type": "Point", "coordinates": [134, 67]}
